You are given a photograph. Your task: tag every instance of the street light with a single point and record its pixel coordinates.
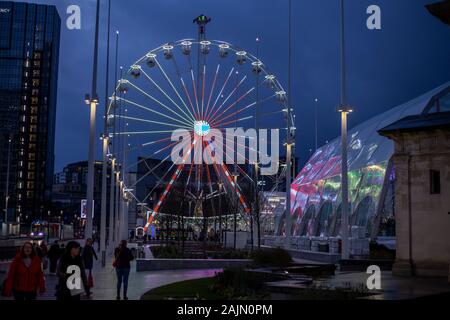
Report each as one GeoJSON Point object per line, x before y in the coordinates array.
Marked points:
{"type": "Point", "coordinates": [93, 101]}
{"type": "Point", "coordinates": [316, 105]}
{"type": "Point", "coordinates": [7, 182]}
{"type": "Point", "coordinates": [344, 109]}
{"type": "Point", "coordinates": [105, 149]}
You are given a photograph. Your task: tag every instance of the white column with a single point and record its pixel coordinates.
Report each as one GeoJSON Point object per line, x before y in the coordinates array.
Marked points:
{"type": "Point", "coordinates": [111, 206]}
{"type": "Point", "coordinates": [90, 177]}
{"type": "Point", "coordinates": [344, 191]}
{"type": "Point", "coordinates": [104, 204]}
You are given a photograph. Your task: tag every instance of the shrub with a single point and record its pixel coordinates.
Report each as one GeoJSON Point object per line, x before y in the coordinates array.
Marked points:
{"type": "Point", "coordinates": [166, 252]}
{"type": "Point", "coordinates": [236, 283]}
{"type": "Point", "coordinates": [275, 257]}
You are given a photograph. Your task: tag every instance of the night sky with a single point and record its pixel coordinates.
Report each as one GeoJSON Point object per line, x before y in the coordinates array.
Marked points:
{"type": "Point", "coordinates": [409, 56]}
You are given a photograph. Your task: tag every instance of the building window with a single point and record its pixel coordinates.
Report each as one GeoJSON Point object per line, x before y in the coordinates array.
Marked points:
{"type": "Point", "coordinates": [435, 182]}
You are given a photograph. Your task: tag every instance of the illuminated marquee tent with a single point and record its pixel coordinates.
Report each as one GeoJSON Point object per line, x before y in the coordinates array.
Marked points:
{"type": "Point", "coordinates": [315, 192]}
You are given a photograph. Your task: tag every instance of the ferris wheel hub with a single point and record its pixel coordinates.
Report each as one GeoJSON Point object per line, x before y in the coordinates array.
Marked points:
{"type": "Point", "coordinates": [201, 128]}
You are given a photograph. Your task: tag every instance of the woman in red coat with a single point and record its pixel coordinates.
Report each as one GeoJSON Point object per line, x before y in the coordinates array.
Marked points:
{"type": "Point", "coordinates": [25, 277]}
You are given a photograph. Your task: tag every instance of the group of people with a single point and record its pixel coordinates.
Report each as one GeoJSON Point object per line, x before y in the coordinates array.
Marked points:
{"type": "Point", "coordinates": [26, 279]}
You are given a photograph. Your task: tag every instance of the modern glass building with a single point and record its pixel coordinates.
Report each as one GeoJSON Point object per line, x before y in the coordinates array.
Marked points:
{"type": "Point", "coordinates": [316, 191]}
{"type": "Point", "coordinates": [29, 54]}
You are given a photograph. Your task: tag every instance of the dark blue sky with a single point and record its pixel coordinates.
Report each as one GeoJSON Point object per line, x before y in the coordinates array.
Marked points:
{"type": "Point", "coordinates": [409, 56]}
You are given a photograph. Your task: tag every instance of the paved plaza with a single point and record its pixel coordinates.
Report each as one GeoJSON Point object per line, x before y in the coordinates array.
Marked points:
{"type": "Point", "coordinates": [105, 280]}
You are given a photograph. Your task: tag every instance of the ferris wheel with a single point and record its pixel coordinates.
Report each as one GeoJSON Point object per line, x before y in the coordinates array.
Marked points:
{"type": "Point", "coordinates": [195, 85]}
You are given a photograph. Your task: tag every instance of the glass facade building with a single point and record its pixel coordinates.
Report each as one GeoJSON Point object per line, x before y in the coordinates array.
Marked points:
{"type": "Point", "coordinates": [29, 54]}
{"type": "Point", "coordinates": [316, 191]}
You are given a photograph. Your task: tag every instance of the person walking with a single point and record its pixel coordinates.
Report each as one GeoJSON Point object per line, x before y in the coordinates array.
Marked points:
{"type": "Point", "coordinates": [54, 253]}
{"type": "Point", "coordinates": [25, 277]}
{"type": "Point", "coordinates": [122, 258]}
{"type": "Point", "coordinates": [71, 258]}
{"type": "Point", "coordinates": [44, 256]}
{"type": "Point", "coordinates": [88, 254]}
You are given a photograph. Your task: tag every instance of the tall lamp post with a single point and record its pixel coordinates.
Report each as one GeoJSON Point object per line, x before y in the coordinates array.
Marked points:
{"type": "Point", "coordinates": [289, 140]}
{"type": "Point", "coordinates": [92, 100]}
{"type": "Point", "coordinates": [344, 109]}
{"type": "Point", "coordinates": [316, 128]}
{"type": "Point", "coordinates": [112, 191]}
{"type": "Point", "coordinates": [105, 142]}
{"type": "Point", "coordinates": [8, 165]}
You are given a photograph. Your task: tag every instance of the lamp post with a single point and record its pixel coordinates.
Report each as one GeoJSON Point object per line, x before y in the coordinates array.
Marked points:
{"type": "Point", "coordinates": [112, 193]}
{"type": "Point", "coordinates": [8, 165]}
{"type": "Point", "coordinates": [344, 109]}
{"type": "Point", "coordinates": [92, 100]}
{"type": "Point", "coordinates": [117, 211]}
{"type": "Point", "coordinates": [220, 185]}
{"type": "Point", "coordinates": [289, 140]}
{"type": "Point", "coordinates": [111, 204]}
{"type": "Point", "coordinates": [316, 128]}
{"type": "Point", "coordinates": [105, 142]}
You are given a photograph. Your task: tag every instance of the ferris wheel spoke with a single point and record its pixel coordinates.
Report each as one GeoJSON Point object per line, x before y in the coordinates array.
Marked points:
{"type": "Point", "coordinates": [235, 188]}
{"type": "Point", "coordinates": [229, 96]}
{"type": "Point", "coordinates": [245, 108]}
{"type": "Point", "coordinates": [168, 187]}
{"type": "Point", "coordinates": [157, 141]}
{"type": "Point", "coordinates": [171, 84]}
{"type": "Point", "coordinates": [195, 91]}
{"type": "Point", "coordinates": [240, 145]}
{"type": "Point", "coordinates": [223, 116]}
{"type": "Point", "coordinates": [237, 151]}
{"type": "Point", "coordinates": [238, 100]}
{"type": "Point", "coordinates": [160, 181]}
{"type": "Point", "coordinates": [150, 171]}
{"type": "Point", "coordinates": [189, 114]}
{"type": "Point", "coordinates": [232, 121]}
{"type": "Point", "coordinates": [183, 122]}
{"type": "Point", "coordinates": [134, 165]}
{"type": "Point", "coordinates": [166, 147]}
{"type": "Point", "coordinates": [186, 91]}
{"type": "Point", "coordinates": [142, 132]}
{"type": "Point", "coordinates": [138, 147]}
{"type": "Point", "coordinates": [244, 173]}
{"type": "Point", "coordinates": [223, 88]}
{"type": "Point", "coordinates": [235, 185]}
{"type": "Point", "coordinates": [212, 88]}
{"type": "Point", "coordinates": [203, 89]}
{"type": "Point", "coordinates": [151, 121]}
{"type": "Point", "coordinates": [242, 97]}
{"type": "Point", "coordinates": [158, 102]}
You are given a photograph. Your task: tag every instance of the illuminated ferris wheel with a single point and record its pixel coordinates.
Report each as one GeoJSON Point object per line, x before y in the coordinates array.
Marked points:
{"type": "Point", "coordinates": [198, 86]}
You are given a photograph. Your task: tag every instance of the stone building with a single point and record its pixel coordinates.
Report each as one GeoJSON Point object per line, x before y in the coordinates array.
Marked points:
{"type": "Point", "coordinates": [422, 192]}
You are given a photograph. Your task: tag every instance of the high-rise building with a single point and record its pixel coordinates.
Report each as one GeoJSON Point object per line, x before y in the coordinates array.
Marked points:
{"type": "Point", "coordinates": [69, 190]}
{"type": "Point", "coordinates": [29, 54]}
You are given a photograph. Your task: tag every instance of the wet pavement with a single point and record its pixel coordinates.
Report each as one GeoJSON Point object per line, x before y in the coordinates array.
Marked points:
{"type": "Point", "coordinates": [105, 281]}
{"type": "Point", "coordinates": [392, 287]}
